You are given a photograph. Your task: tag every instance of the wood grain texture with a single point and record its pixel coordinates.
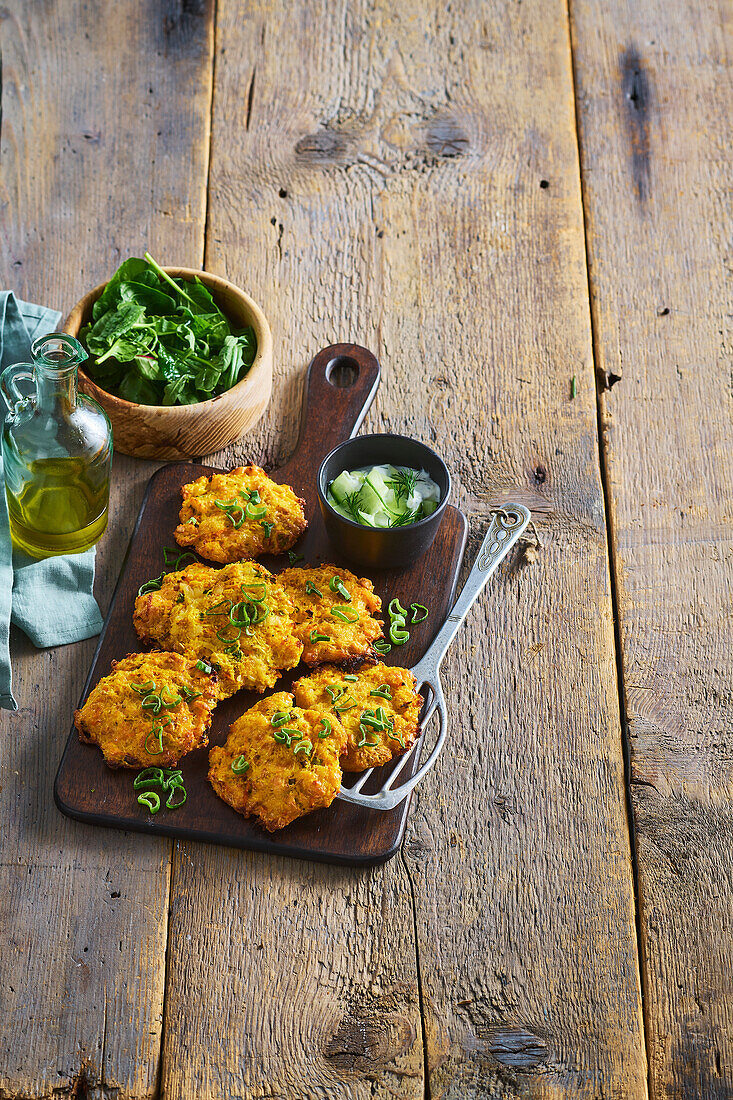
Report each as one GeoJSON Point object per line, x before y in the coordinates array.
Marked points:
{"type": "Point", "coordinates": [101, 156]}
{"type": "Point", "coordinates": [654, 94]}
{"type": "Point", "coordinates": [376, 176]}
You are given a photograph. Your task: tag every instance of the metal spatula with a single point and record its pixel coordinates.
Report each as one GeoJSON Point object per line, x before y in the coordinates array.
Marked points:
{"type": "Point", "coordinates": [505, 528]}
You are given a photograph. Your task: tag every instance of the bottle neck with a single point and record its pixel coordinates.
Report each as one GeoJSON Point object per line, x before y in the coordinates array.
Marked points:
{"type": "Point", "coordinates": [56, 386]}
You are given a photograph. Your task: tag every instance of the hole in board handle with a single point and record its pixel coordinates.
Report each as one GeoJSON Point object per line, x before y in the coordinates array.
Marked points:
{"type": "Point", "coordinates": [342, 372]}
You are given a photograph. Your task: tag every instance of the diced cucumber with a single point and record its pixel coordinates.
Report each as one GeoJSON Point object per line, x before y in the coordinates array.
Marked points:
{"type": "Point", "coordinates": [429, 506]}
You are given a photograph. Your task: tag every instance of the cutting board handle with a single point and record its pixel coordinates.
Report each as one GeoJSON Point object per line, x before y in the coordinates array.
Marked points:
{"type": "Point", "coordinates": [340, 386]}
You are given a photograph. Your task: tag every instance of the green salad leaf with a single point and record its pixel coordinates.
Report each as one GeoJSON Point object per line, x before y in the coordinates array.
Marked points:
{"type": "Point", "coordinates": [158, 340]}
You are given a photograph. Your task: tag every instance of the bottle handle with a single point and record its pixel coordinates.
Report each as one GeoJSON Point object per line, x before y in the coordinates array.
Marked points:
{"type": "Point", "coordinates": [9, 379]}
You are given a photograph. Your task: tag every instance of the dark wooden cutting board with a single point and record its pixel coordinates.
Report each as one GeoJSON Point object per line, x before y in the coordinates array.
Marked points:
{"type": "Point", "coordinates": [88, 790]}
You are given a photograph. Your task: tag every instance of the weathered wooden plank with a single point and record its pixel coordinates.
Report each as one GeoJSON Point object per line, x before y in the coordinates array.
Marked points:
{"type": "Point", "coordinates": [102, 156]}
{"type": "Point", "coordinates": [654, 95]}
{"type": "Point", "coordinates": [305, 977]}
{"type": "Point", "coordinates": [377, 176]}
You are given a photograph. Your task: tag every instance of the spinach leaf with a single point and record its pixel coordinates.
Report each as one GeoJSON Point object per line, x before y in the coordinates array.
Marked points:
{"type": "Point", "coordinates": [130, 269]}
{"type": "Point", "coordinates": [155, 340]}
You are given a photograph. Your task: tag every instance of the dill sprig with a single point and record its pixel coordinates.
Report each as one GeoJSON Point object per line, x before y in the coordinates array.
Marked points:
{"type": "Point", "coordinates": [403, 484]}
{"type": "Point", "coordinates": [353, 503]}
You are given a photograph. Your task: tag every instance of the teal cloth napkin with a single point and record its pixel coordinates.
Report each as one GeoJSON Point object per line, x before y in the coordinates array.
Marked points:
{"type": "Point", "coordinates": [50, 600]}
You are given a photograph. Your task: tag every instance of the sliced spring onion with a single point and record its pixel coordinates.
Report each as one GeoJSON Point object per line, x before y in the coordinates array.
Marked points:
{"type": "Point", "coordinates": [382, 646]}
{"type": "Point", "coordinates": [240, 765]}
{"type": "Point", "coordinates": [268, 528]}
{"type": "Point", "coordinates": [151, 800]}
{"type": "Point", "coordinates": [311, 590]}
{"type": "Point", "coordinates": [151, 586]}
{"type": "Point", "coordinates": [383, 691]}
{"type": "Point", "coordinates": [170, 803]}
{"type": "Point", "coordinates": [314, 636]}
{"type": "Point", "coordinates": [339, 612]}
{"type": "Point", "coordinates": [337, 585]}
{"type": "Point", "coordinates": [326, 729]}
{"type": "Point", "coordinates": [414, 608]}
{"type": "Point", "coordinates": [352, 679]}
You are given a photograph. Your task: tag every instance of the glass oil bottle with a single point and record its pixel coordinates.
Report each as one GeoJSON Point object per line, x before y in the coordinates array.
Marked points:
{"type": "Point", "coordinates": [57, 452]}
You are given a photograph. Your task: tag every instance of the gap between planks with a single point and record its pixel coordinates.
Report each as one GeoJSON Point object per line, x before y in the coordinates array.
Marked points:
{"type": "Point", "coordinates": [612, 559]}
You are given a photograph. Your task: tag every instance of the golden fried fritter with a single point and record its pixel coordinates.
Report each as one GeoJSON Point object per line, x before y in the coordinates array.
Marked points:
{"type": "Point", "coordinates": [204, 613]}
{"type": "Point", "coordinates": [240, 515]}
{"type": "Point", "coordinates": [153, 708]}
{"type": "Point", "coordinates": [377, 705]}
{"type": "Point", "coordinates": [279, 762]}
{"type": "Point", "coordinates": [333, 626]}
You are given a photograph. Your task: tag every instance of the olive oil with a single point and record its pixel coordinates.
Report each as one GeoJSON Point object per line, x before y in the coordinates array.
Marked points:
{"type": "Point", "coordinates": [62, 509]}
{"type": "Point", "coordinates": [57, 453]}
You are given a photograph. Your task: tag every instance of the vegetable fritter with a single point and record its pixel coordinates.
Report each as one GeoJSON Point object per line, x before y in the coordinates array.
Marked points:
{"type": "Point", "coordinates": [377, 705]}
{"type": "Point", "coordinates": [279, 762]}
{"type": "Point", "coordinates": [238, 619]}
{"type": "Point", "coordinates": [153, 708]}
{"type": "Point", "coordinates": [333, 613]}
{"type": "Point", "coordinates": [240, 515]}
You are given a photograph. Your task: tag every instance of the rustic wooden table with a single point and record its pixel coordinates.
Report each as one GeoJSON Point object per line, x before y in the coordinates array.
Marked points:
{"type": "Point", "coordinates": [496, 198]}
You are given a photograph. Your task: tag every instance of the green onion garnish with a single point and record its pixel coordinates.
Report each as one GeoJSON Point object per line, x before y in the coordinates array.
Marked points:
{"type": "Point", "coordinates": [303, 746]}
{"type": "Point", "coordinates": [152, 702]}
{"type": "Point", "coordinates": [279, 718]}
{"type": "Point", "coordinates": [154, 733]}
{"type": "Point", "coordinates": [335, 692]}
{"type": "Point", "coordinates": [342, 705]}
{"type": "Point", "coordinates": [337, 585]}
{"type": "Point", "coordinates": [144, 689]}
{"type": "Point", "coordinates": [414, 608]}
{"type": "Point", "coordinates": [396, 608]}
{"type": "Point", "coordinates": [223, 607]}
{"type": "Point", "coordinates": [311, 590]}
{"type": "Point", "coordinates": [365, 731]}
{"type": "Point", "coordinates": [151, 800]}
{"type": "Point", "coordinates": [396, 737]}
{"type": "Point", "coordinates": [352, 679]}
{"type": "Point", "coordinates": [202, 666]}
{"type": "Point", "coordinates": [189, 695]}
{"type": "Point", "coordinates": [383, 691]}
{"type": "Point", "coordinates": [326, 729]}
{"type": "Point", "coordinates": [338, 612]}
{"type": "Point", "coordinates": [382, 646]}
{"type": "Point", "coordinates": [171, 805]}
{"type": "Point", "coordinates": [254, 584]}
{"type": "Point", "coordinates": [255, 511]}
{"type": "Point", "coordinates": [397, 635]}
{"type": "Point", "coordinates": [151, 586]}
{"type": "Point", "coordinates": [268, 528]}
{"type": "Point", "coordinates": [314, 636]}
{"type": "Point", "coordinates": [173, 699]}
{"type": "Point", "coordinates": [293, 557]}
{"type": "Point", "coordinates": [148, 777]}
{"type": "Point", "coordinates": [240, 765]}
{"type": "Point", "coordinates": [231, 509]}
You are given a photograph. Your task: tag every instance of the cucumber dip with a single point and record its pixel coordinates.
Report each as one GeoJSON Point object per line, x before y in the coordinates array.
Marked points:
{"type": "Point", "coordinates": [384, 496]}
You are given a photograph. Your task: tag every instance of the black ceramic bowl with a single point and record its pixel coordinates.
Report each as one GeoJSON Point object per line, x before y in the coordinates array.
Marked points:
{"type": "Point", "coordinates": [382, 547]}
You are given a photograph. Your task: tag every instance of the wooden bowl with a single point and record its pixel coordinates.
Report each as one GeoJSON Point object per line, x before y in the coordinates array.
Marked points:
{"type": "Point", "coordinates": [188, 431]}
